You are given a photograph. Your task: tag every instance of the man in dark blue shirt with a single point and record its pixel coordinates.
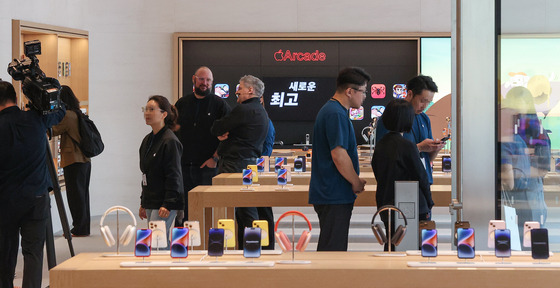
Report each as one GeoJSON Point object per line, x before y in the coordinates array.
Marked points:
{"type": "Point", "coordinates": [24, 186]}
{"type": "Point", "coordinates": [335, 177]}
{"type": "Point", "coordinates": [420, 93]}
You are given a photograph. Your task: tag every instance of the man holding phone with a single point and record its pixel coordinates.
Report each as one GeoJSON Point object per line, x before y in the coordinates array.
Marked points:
{"type": "Point", "coordinates": [420, 93]}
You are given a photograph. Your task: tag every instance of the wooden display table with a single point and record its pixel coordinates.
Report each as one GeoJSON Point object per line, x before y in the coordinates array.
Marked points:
{"type": "Point", "coordinates": [327, 269]}
{"type": "Point", "coordinates": [303, 178]}
{"type": "Point", "coordinates": [203, 198]}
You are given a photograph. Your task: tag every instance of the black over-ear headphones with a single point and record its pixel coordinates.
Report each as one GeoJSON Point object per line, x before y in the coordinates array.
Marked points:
{"type": "Point", "coordinates": [378, 230]}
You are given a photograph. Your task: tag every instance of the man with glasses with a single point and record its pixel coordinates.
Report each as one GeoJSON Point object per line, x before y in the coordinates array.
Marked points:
{"type": "Point", "coordinates": [243, 132]}
{"type": "Point", "coordinates": [197, 112]}
{"type": "Point", "coordinates": [420, 93]}
{"type": "Point", "coordinates": [335, 180]}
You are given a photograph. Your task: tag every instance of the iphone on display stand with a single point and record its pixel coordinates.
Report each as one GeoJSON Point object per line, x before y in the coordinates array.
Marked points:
{"type": "Point", "coordinates": [143, 246]}
{"type": "Point", "coordinates": [446, 163]}
{"type": "Point", "coordinates": [279, 163]}
{"type": "Point", "coordinates": [216, 242]}
{"type": "Point", "coordinates": [457, 225]}
{"type": "Point", "coordinates": [263, 224]}
{"type": "Point", "coordinates": [429, 243]}
{"type": "Point", "coordinates": [502, 239]}
{"type": "Point", "coordinates": [539, 243]}
{"type": "Point", "coordinates": [247, 179]}
{"type": "Point", "coordinates": [527, 227]}
{"type": "Point", "coordinates": [492, 226]}
{"type": "Point", "coordinates": [194, 233]}
{"type": "Point", "coordinates": [229, 232]}
{"type": "Point", "coordinates": [159, 238]}
{"type": "Point", "coordinates": [465, 243]}
{"type": "Point", "coordinates": [252, 242]}
{"type": "Point", "coordinates": [179, 242]}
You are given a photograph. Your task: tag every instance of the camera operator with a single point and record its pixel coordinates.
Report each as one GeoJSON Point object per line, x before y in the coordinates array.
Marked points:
{"type": "Point", "coordinates": [24, 183]}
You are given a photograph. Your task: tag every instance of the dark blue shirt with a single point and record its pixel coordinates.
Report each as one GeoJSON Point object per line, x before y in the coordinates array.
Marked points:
{"type": "Point", "coordinates": [24, 173]}
{"type": "Point", "coordinates": [421, 130]}
{"type": "Point", "coordinates": [332, 128]}
{"type": "Point", "coordinates": [269, 140]}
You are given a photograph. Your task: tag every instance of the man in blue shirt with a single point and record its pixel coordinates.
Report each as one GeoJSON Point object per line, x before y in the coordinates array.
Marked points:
{"type": "Point", "coordinates": [24, 186]}
{"type": "Point", "coordinates": [420, 93]}
{"type": "Point", "coordinates": [335, 177]}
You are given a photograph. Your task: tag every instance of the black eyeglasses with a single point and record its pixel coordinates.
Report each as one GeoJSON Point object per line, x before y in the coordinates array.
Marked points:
{"type": "Point", "coordinates": [356, 89]}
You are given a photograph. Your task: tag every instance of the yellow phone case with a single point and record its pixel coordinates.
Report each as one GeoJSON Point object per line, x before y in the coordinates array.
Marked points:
{"type": "Point", "coordinates": [229, 232]}
{"type": "Point", "coordinates": [263, 224]}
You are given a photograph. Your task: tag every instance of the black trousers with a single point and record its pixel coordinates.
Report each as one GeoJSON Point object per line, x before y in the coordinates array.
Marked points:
{"type": "Point", "coordinates": [76, 178]}
{"type": "Point", "coordinates": [244, 216]}
{"type": "Point", "coordinates": [192, 177]}
{"type": "Point", "coordinates": [334, 222]}
{"type": "Point", "coordinates": [31, 223]}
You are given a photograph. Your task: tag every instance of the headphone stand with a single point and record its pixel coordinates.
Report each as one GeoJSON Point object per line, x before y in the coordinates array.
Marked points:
{"type": "Point", "coordinates": [293, 261]}
{"type": "Point", "coordinates": [389, 241]}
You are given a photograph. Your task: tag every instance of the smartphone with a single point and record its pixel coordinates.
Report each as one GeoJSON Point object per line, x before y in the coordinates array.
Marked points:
{"type": "Point", "coordinates": [444, 139]}
{"type": "Point", "coordinates": [539, 243]}
{"type": "Point", "coordinates": [527, 226]}
{"type": "Point", "coordinates": [282, 177]}
{"type": "Point", "coordinates": [260, 164]}
{"type": "Point", "coordinates": [252, 242]}
{"type": "Point", "coordinates": [492, 226]}
{"type": "Point", "coordinates": [143, 247]}
{"type": "Point", "coordinates": [263, 224]}
{"type": "Point", "coordinates": [216, 242]}
{"type": "Point", "coordinates": [303, 163]}
{"type": "Point", "coordinates": [180, 242]}
{"type": "Point", "coordinates": [194, 232]}
{"type": "Point", "coordinates": [247, 177]}
{"type": "Point", "coordinates": [429, 243]}
{"type": "Point", "coordinates": [280, 161]}
{"type": "Point", "coordinates": [446, 163]}
{"type": "Point", "coordinates": [502, 243]}
{"type": "Point", "coordinates": [298, 165]}
{"type": "Point", "coordinates": [465, 243]}
{"type": "Point", "coordinates": [424, 224]}
{"type": "Point", "coordinates": [229, 232]}
{"type": "Point", "coordinates": [457, 225]}
{"type": "Point", "coordinates": [159, 238]}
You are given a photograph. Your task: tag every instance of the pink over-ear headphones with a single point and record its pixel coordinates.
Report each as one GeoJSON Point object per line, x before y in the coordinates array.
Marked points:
{"type": "Point", "coordinates": [285, 242]}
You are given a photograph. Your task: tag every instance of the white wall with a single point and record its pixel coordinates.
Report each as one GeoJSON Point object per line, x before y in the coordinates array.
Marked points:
{"type": "Point", "coordinates": [131, 47]}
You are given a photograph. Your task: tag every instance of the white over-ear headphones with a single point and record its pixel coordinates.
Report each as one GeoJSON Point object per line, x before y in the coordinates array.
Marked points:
{"type": "Point", "coordinates": [128, 232]}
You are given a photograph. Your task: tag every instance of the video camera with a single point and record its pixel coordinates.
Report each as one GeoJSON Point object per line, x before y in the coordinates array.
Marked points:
{"type": "Point", "coordinates": [42, 92]}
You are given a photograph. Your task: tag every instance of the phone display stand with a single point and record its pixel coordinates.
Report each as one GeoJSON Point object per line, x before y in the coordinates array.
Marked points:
{"type": "Point", "coordinates": [130, 264]}
{"type": "Point", "coordinates": [293, 261]}
{"type": "Point", "coordinates": [158, 237]}
{"type": "Point", "coordinates": [247, 188]}
{"type": "Point", "coordinates": [282, 188]}
{"type": "Point", "coordinates": [390, 241]}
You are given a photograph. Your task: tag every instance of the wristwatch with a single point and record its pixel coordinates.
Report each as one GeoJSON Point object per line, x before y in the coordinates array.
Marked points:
{"type": "Point", "coordinates": [215, 159]}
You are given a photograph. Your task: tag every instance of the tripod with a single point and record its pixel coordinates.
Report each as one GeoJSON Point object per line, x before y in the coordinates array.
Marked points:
{"type": "Point", "coordinates": [49, 241]}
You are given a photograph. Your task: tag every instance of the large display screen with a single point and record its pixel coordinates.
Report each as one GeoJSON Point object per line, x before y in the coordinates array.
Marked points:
{"type": "Point", "coordinates": [300, 75]}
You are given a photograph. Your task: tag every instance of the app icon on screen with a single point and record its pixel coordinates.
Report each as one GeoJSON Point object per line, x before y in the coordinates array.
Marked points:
{"type": "Point", "coordinates": [221, 90]}
{"type": "Point", "coordinates": [236, 89]}
{"type": "Point", "coordinates": [399, 91]}
{"type": "Point", "coordinates": [357, 114]}
{"type": "Point", "coordinates": [377, 111]}
{"type": "Point", "coordinates": [378, 91]}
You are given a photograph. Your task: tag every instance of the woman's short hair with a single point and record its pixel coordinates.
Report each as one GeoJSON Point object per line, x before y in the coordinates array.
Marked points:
{"type": "Point", "coordinates": [398, 116]}
{"type": "Point", "coordinates": [163, 103]}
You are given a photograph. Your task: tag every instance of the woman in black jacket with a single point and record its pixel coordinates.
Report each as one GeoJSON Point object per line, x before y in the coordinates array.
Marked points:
{"type": "Point", "coordinates": [160, 163]}
{"type": "Point", "coordinates": [397, 159]}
